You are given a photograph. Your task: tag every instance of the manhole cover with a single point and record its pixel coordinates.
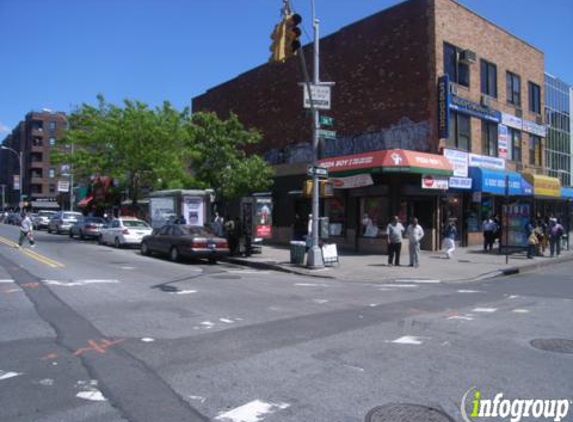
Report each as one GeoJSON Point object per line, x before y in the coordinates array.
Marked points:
{"type": "Point", "coordinates": [397, 412]}
{"type": "Point", "coordinates": [557, 345]}
{"type": "Point", "coordinates": [226, 277]}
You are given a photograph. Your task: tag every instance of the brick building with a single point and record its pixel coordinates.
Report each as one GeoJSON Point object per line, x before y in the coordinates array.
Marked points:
{"type": "Point", "coordinates": [35, 136]}
{"type": "Point", "coordinates": [388, 69]}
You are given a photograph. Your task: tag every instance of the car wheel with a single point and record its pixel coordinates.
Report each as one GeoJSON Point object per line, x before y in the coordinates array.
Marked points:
{"type": "Point", "coordinates": [49, 230]}
{"type": "Point", "coordinates": [116, 243]}
{"type": "Point", "coordinates": [145, 249]}
{"type": "Point", "coordinates": [71, 235]}
{"type": "Point", "coordinates": [58, 231]}
{"type": "Point", "coordinates": [100, 239]}
{"type": "Point", "coordinates": [82, 236]}
{"type": "Point", "coordinates": [174, 254]}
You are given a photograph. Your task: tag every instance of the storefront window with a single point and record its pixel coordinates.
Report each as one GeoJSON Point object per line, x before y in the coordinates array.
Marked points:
{"type": "Point", "coordinates": [373, 216]}
{"type": "Point", "coordinates": [335, 211]}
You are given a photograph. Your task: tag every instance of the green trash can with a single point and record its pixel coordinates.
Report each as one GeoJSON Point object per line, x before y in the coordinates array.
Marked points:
{"type": "Point", "coordinates": [297, 252]}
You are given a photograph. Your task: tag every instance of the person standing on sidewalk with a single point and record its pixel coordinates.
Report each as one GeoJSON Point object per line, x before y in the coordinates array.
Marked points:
{"type": "Point", "coordinates": [489, 230]}
{"type": "Point", "coordinates": [555, 232]}
{"type": "Point", "coordinates": [532, 242]}
{"type": "Point", "coordinates": [395, 231]}
{"type": "Point", "coordinates": [414, 233]}
{"type": "Point", "coordinates": [26, 231]}
{"type": "Point", "coordinates": [450, 235]}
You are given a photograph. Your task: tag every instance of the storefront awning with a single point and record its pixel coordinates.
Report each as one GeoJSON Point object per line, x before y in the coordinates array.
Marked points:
{"type": "Point", "coordinates": [85, 202]}
{"type": "Point", "coordinates": [567, 193]}
{"type": "Point", "coordinates": [544, 186]}
{"type": "Point", "coordinates": [388, 161]}
{"type": "Point", "coordinates": [493, 181]}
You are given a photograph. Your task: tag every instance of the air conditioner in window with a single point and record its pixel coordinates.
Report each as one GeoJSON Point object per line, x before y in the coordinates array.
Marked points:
{"type": "Point", "coordinates": [486, 100]}
{"type": "Point", "coordinates": [453, 89]}
{"type": "Point", "coordinates": [468, 56]}
{"type": "Point", "coordinates": [518, 112]}
{"type": "Point", "coordinates": [539, 119]}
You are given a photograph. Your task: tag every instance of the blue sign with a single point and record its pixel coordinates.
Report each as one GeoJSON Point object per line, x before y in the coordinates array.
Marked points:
{"type": "Point", "coordinates": [474, 109]}
{"type": "Point", "coordinates": [493, 181]}
{"type": "Point", "coordinates": [444, 106]}
{"type": "Point", "coordinates": [567, 193]}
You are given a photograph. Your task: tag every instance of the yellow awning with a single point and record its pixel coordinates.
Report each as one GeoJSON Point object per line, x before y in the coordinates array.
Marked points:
{"type": "Point", "coordinates": [545, 186]}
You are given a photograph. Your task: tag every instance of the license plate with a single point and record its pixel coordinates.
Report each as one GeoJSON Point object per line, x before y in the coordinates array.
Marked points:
{"type": "Point", "coordinates": [212, 245]}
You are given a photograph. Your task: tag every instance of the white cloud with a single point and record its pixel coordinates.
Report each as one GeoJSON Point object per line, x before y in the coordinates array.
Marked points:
{"type": "Point", "coordinates": [4, 128]}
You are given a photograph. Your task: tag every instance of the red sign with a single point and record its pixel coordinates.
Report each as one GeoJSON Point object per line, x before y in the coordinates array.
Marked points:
{"type": "Point", "coordinates": [263, 231]}
{"type": "Point", "coordinates": [428, 180]}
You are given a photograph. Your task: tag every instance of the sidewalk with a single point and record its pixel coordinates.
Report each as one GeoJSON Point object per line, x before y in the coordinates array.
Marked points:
{"type": "Point", "coordinates": [469, 263]}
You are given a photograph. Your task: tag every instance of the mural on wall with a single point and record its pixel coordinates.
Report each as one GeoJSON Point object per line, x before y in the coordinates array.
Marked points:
{"type": "Point", "coordinates": [406, 134]}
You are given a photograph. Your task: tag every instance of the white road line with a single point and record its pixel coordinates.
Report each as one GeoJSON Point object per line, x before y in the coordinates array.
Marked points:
{"type": "Point", "coordinates": [226, 321]}
{"type": "Point", "coordinates": [485, 310]}
{"type": "Point", "coordinates": [310, 285]}
{"type": "Point", "coordinates": [13, 290]}
{"type": "Point", "coordinates": [408, 340]}
{"type": "Point", "coordinates": [7, 281]}
{"type": "Point", "coordinates": [127, 268]}
{"type": "Point", "coordinates": [320, 301]}
{"type": "Point", "coordinates": [462, 318]}
{"type": "Point", "coordinates": [513, 297]}
{"type": "Point", "coordinates": [4, 375]}
{"type": "Point", "coordinates": [373, 305]}
{"type": "Point", "coordinates": [48, 382]}
{"type": "Point", "coordinates": [78, 282]}
{"type": "Point", "coordinates": [199, 398]}
{"type": "Point", "coordinates": [404, 286]}
{"type": "Point", "coordinates": [147, 340]}
{"type": "Point", "coordinates": [208, 324]}
{"type": "Point", "coordinates": [251, 412]}
{"type": "Point", "coordinates": [418, 280]}
{"type": "Point", "coordinates": [247, 272]}
{"type": "Point", "coordinates": [521, 311]}
{"type": "Point", "coordinates": [184, 292]}
{"type": "Point", "coordinates": [469, 291]}
{"type": "Point", "coordinates": [93, 395]}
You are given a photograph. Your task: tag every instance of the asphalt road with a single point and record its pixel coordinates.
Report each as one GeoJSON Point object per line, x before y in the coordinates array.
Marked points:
{"type": "Point", "coordinates": [91, 333]}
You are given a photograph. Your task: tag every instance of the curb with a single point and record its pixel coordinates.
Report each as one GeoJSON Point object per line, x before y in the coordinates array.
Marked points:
{"type": "Point", "coordinates": [273, 267]}
{"type": "Point", "coordinates": [522, 269]}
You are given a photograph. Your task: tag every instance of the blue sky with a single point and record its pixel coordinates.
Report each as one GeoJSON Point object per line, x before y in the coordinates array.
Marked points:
{"type": "Point", "coordinates": [59, 53]}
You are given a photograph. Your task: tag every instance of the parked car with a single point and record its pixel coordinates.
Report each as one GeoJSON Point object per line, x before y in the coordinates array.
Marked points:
{"type": "Point", "coordinates": [13, 218]}
{"type": "Point", "coordinates": [63, 220]}
{"type": "Point", "coordinates": [180, 241]}
{"type": "Point", "coordinates": [42, 220]}
{"type": "Point", "coordinates": [87, 227]}
{"type": "Point", "coordinates": [124, 231]}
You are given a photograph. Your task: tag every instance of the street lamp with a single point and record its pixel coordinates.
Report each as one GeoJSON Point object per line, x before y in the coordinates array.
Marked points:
{"type": "Point", "coordinates": [19, 155]}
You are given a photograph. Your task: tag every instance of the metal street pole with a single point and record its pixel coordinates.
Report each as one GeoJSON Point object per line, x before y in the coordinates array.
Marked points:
{"type": "Point", "coordinates": [19, 155]}
{"type": "Point", "coordinates": [72, 181]}
{"type": "Point", "coordinates": [3, 197]}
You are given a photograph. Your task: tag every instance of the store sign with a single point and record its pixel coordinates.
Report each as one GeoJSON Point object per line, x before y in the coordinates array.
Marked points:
{"type": "Point", "coordinates": [486, 162]}
{"type": "Point", "coordinates": [430, 181]}
{"type": "Point", "coordinates": [320, 97]}
{"type": "Point", "coordinates": [350, 182]}
{"type": "Point", "coordinates": [16, 182]}
{"type": "Point", "coordinates": [458, 160]}
{"type": "Point", "coordinates": [460, 183]}
{"type": "Point", "coordinates": [511, 121]}
{"type": "Point", "coordinates": [534, 128]}
{"type": "Point", "coordinates": [63, 186]}
{"type": "Point", "coordinates": [444, 106]}
{"type": "Point", "coordinates": [475, 109]}
{"type": "Point", "coordinates": [502, 141]}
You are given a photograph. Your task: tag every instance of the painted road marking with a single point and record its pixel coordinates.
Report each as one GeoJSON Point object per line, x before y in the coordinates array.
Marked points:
{"type": "Point", "coordinates": [4, 375]}
{"type": "Point", "coordinates": [207, 324]}
{"type": "Point", "coordinates": [127, 268]}
{"type": "Point", "coordinates": [251, 412]}
{"type": "Point", "coordinates": [49, 356]}
{"type": "Point", "coordinates": [147, 340]}
{"type": "Point", "coordinates": [47, 382]}
{"type": "Point", "coordinates": [34, 255]}
{"type": "Point", "coordinates": [521, 311]}
{"type": "Point", "coordinates": [226, 321]}
{"type": "Point", "coordinates": [13, 290]}
{"type": "Point", "coordinates": [404, 286]}
{"type": "Point", "coordinates": [201, 399]}
{"type": "Point", "coordinates": [470, 291]}
{"type": "Point", "coordinates": [485, 310]}
{"type": "Point", "coordinates": [78, 282]}
{"type": "Point", "coordinates": [418, 280]}
{"type": "Point", "coordinates": [93, 395]}
{"type": "Point", "coordinates": [310, 285]}
{"type": "Point", "coordinates": [513, 297]}
{"type": "Point", "coordinates": [183, 292]}
{"type": "Point", "coordinates": [97, 347]}
{"type": "Point", "coordinates": [462, 318]}
{"type": "Point", "coordinates": [320, 301]}
{"type": "Point", "coordinates": [7, 281]}
{"type": "Point", "coordinates": [408, 340]}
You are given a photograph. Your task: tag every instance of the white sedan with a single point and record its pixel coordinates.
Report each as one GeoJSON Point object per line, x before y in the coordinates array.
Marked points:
{"type": "Point", "coordinates": [124, 231]}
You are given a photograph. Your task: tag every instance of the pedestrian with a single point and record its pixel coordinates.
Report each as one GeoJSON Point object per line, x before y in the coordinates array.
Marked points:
{"type": "Point", "coordinates": [180, 220]}
{"type": "Point", "coordinates": [489, 230]}
{"type": "Point", "coordinates": [532, 242]}
{"type": "Point", "coordinates": [394, 231]}
{"type": "Point", "coordinates": [217, 225]}
{"type": "Point", "coordinates": [26, 231]}
{"type": "Point", "coordinates": [299, 228]}
{"type": "Point", "coordinates": [450, 235]}
{"type": "Point", "coordinates": [555, 233]}
{"type": "Point", "coordinates": [415, 234]}
{"type": "Point", "coordinates": [232, 235]}
{"type": "Point", "coordinates": [543, 236]}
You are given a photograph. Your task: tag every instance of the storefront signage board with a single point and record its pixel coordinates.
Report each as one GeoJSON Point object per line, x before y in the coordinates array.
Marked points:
{"type": "Point", "coordinates": [512, 121]}
{"type": "Point", "coordinates": [430, 181]}
{"type": "Point", "coordinates": [486, 162]}
{"type": "Point", "coordinates": [460, 183]}
{"type": "Point", "coordinates": [544, 185]}
{"type": "Point", "coordinates": [444, 107]}
{"type": "Point", "coordinates": [502, 141]}
{"type": "Point", "coordinates": [458, 160]}
{"type": "Point", "coordinates": [350, 182]}
{"type": "Point", "coordinates": [464, 106]}
{"type": "Point", "coordinates": [534, 128]}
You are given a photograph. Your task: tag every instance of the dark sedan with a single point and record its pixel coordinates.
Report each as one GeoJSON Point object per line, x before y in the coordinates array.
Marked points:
{"type": "Point", "coordinates": [87, 227]}
{"type": "Point", "coordinates": [178, 241]}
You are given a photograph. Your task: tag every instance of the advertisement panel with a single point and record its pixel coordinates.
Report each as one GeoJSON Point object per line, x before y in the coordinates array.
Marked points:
{"type": "Point", "coordinates": [193, 210]}
{"type": "Point", "coordinates": [350, 182]}
{"type": "Point", "coordinates": [502, 141]}
{"type": "Point", "coordinates": [162, 209]}
{"type": "Point", "coordinates": [444, 106]}
{"type": "Point", "coordinates": [16, 182]}
{"type": "Point", "coordinates": [487, 162]}
{"type": "Point", "coordinates": [458, 160]}
{"type": "Point", "coordinates": [263, 218]}
{"type": "Point", "coordinates": [511, 121]}
{"type": "Point", "coordinates": [515, 218]}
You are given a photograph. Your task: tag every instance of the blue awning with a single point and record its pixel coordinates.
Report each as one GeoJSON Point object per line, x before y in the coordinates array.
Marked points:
{"type": "Point", "coordinates": [566, 193]}
{"type": "Point", "coordinates": [493, 181]}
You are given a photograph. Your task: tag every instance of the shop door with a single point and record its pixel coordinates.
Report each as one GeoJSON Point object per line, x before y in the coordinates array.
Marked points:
{"type": "Point", "coordinates": [424, 211]}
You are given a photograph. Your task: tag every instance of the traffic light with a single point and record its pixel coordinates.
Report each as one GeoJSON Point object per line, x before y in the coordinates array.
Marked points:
{"type": "Point", "coordinates": [278, 44]}
{"type": "Point", "coordinates": [326, 188]}
{"type": "Point", "coordinates": [292, 34]}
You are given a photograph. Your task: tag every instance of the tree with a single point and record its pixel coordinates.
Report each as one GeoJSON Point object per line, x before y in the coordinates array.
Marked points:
{"type": "Point", "coordinates": [221, 162]}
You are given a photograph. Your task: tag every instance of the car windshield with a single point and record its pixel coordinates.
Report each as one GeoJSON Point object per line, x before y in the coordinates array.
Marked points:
{"type": "Point", "coordinates": [196, 231]}
{"type": "Point", "coordinates": [135, 223]}
{"type": "Point", "coordinates": [75, 215]}
{"type": "Point", "coordinates": [46, 213]}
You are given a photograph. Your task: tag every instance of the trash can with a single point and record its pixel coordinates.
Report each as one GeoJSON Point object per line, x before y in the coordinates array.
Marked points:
{"type": "Point", "coordinates": [297, 251]}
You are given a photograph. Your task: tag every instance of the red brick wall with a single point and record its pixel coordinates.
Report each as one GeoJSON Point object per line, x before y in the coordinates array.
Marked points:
{"type": "Point", "coordinates": [381, 66]}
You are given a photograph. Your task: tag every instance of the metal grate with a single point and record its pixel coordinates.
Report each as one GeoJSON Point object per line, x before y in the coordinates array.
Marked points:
{"type": "Point", "coordinates": [400, 412]}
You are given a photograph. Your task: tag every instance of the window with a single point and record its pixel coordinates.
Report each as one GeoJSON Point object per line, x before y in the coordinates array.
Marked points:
{"type": "Point", "coordinates": [488, 79]}
{"type": "Point", "coordinates": [457, 71]}
{"type": "Point", "coordinates": [52, 188]}
{"type": "Point", "coordinates": [534, 98]}
{"type": "Point", "coordinates": [52, 173]}
{"type": "Point", "coordinates": [52, 142]}
{"type": "Point", "coordinates": [515, 138]}
{"type": "Point", "coordinates": [513, 89]}
{"type": "Point", "coordinates": [535, 150]}
{"type": "Point", "coordinates": [335, 210]}
{"type": "Point", "coordinates": [460, 131]}
{"type": "Point", "coordinates": [489, 138]}
{"type": "Point", "coordinates": [52, 126]}
{"type": "Point", "coordinates": [373, 215]}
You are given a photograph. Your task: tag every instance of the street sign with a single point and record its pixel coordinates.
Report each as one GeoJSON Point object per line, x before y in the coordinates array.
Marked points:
{"type": "Point", "coordinates": [329, 134]}
{"type": "Point", "coordinates": [320, 97]}
{"type": "Point", "coordinates": [319, 171]}
{"type": "Point", "coordinates": [63, 186]}
{"type": "Point", "coordinates": [16, 182]}
{"type": "Point", "coordinates": [326, 121]}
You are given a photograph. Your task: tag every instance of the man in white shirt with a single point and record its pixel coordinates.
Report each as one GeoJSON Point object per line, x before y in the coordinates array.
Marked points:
{"type": "Point", "coordinates": [414, 233]}
{"type": "Point", "coordinates": [26, 230]}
